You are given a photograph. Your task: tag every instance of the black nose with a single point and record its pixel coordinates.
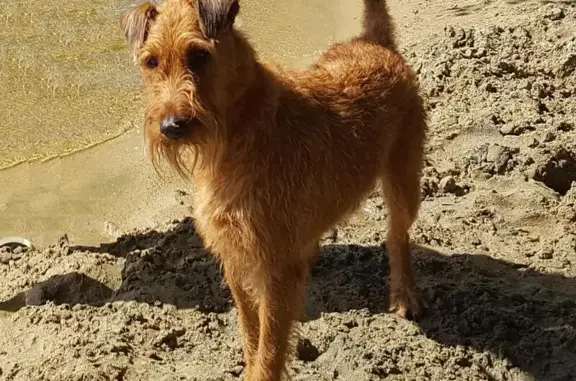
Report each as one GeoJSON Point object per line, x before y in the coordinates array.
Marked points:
{"type": "Point", "coordinates": [173, 128]}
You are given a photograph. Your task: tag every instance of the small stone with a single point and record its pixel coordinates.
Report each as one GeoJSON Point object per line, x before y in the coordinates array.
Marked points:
{"type": "Point", "coordinates": [491, 88]}
{"type": "Point", "coordinates": [524, 85]}
{"type": "Point", "coordinates": [452, 135]}
{"type": "Point", "coordinates": [480, 53]}
{"type": "Point", "coordinates": [5, 257]}
{"type": "Point", "coordinates": [546, 254]}
{"type": "Point", "coordinates": [447, 184]}
{"type": "Point", "coordinates": [494, 153]}
{"type": "Point", "coordinates": [64, 245]}
{"type": "Point", "coordinates": [566, 212]}
{"type": "Point", "coordinates": [429, 186]}
{"type": "Point", "coordinates": [169, 338]}
{"type": "Point", "coordinates": [500, 156]}
{"type": "Point", "coordinates": [567, 68]}
{"type": "Point", "coordinates": [508, 129]}
{"type": "Point", "coordinates": [467, 53]}
{"type": "Point", "coordinates": [154, 356]}
{"type": "Point", "coordinates": [307, 352]}
{"type": "Point", "coordinates": [476, 242]}
{"type": "Point", "coordinates": [549, 137]}
{"type": "Point", "coordinates": [236, 371]}
{"type": "Point", "coordinates": [565, 127]}
{"type": "Point", "coordinates": [555, 14]}
{"type": "Point", "coordinates": [533, 143]}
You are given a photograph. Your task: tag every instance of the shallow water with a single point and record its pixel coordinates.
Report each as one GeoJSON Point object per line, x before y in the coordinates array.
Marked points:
{"type": "Point", "coordinates": [70, 82]}
{"type": "Point", "coordinates": [70, 85]}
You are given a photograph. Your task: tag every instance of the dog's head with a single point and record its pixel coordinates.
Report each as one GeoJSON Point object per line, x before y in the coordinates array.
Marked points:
{"type": "Point", "coordinates": [188, 55]}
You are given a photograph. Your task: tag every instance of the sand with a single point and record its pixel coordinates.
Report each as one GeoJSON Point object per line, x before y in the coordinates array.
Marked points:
{"type": "Point", "coordinates": [494, 247]}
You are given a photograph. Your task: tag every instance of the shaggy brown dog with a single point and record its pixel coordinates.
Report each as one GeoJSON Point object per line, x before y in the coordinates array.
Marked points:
{"type": "Point", "coordinates": [279, 157]}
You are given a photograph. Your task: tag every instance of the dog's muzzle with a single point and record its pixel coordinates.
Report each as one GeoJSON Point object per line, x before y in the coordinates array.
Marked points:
{"type": "Point", "coordinates": [174, 128]}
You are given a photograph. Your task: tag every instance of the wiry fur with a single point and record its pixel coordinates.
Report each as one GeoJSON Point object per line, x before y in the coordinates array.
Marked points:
{"type": "Point", "coordinates": [279, 157]}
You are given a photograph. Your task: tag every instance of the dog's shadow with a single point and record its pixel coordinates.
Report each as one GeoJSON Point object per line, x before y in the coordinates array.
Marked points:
{"type": "Point", "coordinates": [474, 300]}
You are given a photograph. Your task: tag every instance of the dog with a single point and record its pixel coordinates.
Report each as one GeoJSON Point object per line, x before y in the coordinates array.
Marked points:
{"type": "Point", "coordinates": [279, 157]}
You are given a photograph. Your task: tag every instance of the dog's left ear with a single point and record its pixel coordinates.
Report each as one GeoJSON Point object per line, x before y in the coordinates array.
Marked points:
{"type": "Point", "coordinates": [135, 24]}
{"type": "Point", "coordinates": [217, 16]}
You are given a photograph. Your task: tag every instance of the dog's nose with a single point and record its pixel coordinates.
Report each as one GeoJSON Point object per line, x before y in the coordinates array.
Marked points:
{"type": "Point", "coordinates": [173, 128]}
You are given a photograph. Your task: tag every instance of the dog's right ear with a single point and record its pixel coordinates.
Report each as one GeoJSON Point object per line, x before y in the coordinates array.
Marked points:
{"type": "Point", "coordinates": [217, 16]}
{"type": "Point", "coordinates": [135, 24]}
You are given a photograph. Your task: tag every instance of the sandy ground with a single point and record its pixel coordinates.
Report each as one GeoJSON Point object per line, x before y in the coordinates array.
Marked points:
{"type": "Point", "coordinates": [494, 248]}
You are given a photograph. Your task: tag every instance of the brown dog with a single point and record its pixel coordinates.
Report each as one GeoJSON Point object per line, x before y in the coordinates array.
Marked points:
{"type": "Point", "coordinates": [279, 157]}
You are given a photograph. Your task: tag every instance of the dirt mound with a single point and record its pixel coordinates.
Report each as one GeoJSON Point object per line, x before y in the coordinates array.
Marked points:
{"type": "Point", "coordinates": [510, 87]}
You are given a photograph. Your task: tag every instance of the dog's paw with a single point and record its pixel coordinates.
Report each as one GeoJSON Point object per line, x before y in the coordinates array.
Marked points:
{"type": "Point", "coordinates": [407, 302]}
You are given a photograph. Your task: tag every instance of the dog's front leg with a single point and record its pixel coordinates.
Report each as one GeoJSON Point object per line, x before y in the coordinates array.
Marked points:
{"type": "Point", "coordinates": [247, 306]}
{"type": "Point", "coordinates": [282, 293]}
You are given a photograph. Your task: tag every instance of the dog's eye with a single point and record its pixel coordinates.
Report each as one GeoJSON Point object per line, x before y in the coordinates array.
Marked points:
{"type": "Point", "coordinates": [151, 62]}
{"type": "Point", "coordinates": [197, 58]}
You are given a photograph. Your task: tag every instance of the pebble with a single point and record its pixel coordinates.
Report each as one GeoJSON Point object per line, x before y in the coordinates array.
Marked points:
{"type": "Point", "coordinates": [529, 160]}
{"type": "Point", "coordinates": [491, 88]}
{"type": "Point", "coordinates": [555, 14]}
{"type": "Point", "coordinates": [549, 137]}
{"type": "Point", "coordinates": [508, 129]}
{"type": "Point", "coordinates": [546, 253]}
{"type": "Point", "coordinates": [495, 152]}
{"type": "Point", "coordinates": [447, 184]}
{"type": "Point", "coordinates": [306, 351]}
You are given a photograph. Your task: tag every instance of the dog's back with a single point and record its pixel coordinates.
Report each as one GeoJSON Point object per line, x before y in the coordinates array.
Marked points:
{"type": "Point", "coordinates": [355, 113]}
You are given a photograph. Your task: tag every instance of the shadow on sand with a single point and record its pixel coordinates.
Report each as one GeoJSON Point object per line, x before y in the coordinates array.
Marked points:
{"type": "Point", "coordinates": [479, 7]}
{"type": "Point", "coordinates": [475, 300]}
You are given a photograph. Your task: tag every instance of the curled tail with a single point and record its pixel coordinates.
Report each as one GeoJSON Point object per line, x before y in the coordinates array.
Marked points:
{"type": "Point", "coordinates": [378, 25]}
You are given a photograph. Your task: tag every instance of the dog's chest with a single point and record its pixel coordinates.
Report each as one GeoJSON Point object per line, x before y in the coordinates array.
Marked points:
{"type": "Point", "coordinates": [222, 222]}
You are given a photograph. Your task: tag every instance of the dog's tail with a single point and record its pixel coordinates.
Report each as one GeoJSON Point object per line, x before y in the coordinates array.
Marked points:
{"type": "Point", "coordinates": [378, 25]}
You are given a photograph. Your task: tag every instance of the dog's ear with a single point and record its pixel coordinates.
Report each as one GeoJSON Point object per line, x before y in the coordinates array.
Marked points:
{"type": "Point", "coordinates": [217, 16]}
{"type": "Point", "coordinates": [135, 24]}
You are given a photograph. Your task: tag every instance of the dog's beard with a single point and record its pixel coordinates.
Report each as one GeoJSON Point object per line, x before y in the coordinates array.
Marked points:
{"type": "Point", "coordinates": [197, 150]}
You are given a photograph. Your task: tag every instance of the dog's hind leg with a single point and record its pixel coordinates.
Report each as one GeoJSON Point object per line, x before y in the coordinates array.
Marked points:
{"type": "Point", "coordinates": [401, 191]}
